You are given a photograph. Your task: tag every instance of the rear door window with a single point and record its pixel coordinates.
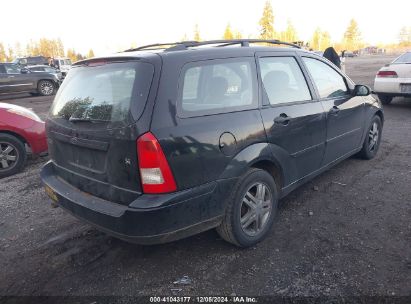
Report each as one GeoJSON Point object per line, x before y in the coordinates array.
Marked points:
{"type": "Point", "coordinates": [37, 69]}
{"type": "Point", "coordinates": [104, 93]}
{"type": "Point", "coordinates": [12, 69]}
{"type": "Point", "coordinates": [283, 80]}
{"type": "Point", "coordinates": [216, 86]}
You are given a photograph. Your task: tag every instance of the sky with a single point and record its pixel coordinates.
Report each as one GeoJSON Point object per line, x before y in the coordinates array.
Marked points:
{"type": "Point", "coordinates": [112, 25]}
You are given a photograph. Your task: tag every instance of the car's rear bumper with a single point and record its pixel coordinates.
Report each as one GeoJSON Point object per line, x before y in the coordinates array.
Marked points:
{"type": "Point", "coordinates": [149, 219]}
{"type": "Point", "coordinates": [391, 86]}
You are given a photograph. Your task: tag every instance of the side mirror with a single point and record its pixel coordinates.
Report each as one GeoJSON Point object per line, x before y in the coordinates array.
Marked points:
{"type": "Point", "coordinates": [362, 90]}
{"type": "Point", "coordinates": [24, 71]}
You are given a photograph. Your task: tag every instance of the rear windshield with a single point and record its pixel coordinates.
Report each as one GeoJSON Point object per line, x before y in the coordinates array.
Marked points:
{"type": "Point", "coordinates": [405, 58]}
{"type": "Point", "coordinates": [103, 94]}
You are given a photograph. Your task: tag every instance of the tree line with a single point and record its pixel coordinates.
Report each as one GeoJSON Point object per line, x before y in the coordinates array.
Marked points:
{"type": "Point", "coordinates": [43, 47]}
{"type": "Point", "coordinates": [352, 39]}
{"type": "Point", "coordinates": [320, 39]}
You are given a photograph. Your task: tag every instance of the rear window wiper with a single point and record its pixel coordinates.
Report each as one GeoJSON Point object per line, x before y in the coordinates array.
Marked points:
{"type": "Point", "coordinates": [76, 119]}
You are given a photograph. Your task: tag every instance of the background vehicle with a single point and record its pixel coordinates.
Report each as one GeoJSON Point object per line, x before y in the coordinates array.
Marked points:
{"type": "Point", "coordinates": [34, 60]}
{"type": "Point", "coordinates": [394, 79]}
{"type": "Point", "coordinates": [153, 146]}
{"type": "Point", "coordinates": [62, 64]}
{"type": "Point", "coordinates": [14, 79]}
{"type": "Point", "coordinates": [46, 69]}
{"type": "Point", "coordinates": [349, 54]}
{"type": "Point", "coordinates": [19, 127]}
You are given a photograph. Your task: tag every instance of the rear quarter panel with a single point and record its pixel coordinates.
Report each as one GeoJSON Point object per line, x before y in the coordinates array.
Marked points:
{"type": "Point", "coordinates": [32, 131]}
{"type": "Point", "coordinates": [191, 145]}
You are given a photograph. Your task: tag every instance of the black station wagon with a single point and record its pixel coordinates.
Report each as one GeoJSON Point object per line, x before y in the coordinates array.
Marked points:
{"type": "Point", "coordinates": [164, 141]}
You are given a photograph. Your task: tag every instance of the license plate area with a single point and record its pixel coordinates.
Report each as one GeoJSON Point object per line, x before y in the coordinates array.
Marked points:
{"type": "Point", "coordinates": [51, 194]}
{"type": "Point", "coordinates": [405, 87]}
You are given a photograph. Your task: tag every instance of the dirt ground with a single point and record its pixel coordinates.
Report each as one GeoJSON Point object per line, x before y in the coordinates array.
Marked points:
{"type": "Point", "coordinates": [346, 233]}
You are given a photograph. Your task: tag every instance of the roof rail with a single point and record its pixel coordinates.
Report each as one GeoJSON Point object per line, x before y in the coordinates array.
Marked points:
{"type": "Point", "coordinates": [183, 45]}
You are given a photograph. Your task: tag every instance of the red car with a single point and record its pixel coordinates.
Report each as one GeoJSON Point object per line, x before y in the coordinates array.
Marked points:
{"type": "Point", "coordinates": [19, 127]}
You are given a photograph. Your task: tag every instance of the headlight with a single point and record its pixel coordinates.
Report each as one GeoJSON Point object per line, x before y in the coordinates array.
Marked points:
{"type": "Point", "coordinates": [24, 112]}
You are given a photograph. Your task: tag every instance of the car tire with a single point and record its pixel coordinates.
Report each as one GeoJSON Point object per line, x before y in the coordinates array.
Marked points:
{"type": "Point", "coordinates": [372, 139]}
{"type": "Point", "coordinates": [13, 155]}
{"type": "Point", "coordinates": [385, 99]}
{"type": "Point", "coordinates": [250, 213]}
{"type": "Point", "coordinates": [46, 87]}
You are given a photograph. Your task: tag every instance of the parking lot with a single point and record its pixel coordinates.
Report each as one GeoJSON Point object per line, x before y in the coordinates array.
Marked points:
{"type": "Point", "coordinates": [346, 233]}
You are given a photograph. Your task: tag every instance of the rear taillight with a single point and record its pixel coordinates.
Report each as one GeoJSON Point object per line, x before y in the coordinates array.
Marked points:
{"type": "Point", "coordinates": [156, 175]}
{"type": "Point", "coordinates": [387, 74]}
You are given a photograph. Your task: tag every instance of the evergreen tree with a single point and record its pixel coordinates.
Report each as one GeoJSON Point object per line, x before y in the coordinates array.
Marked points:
{"type": "Point", "coordinates": [90, 54]}
{"type": "Point", "coordinates": [238, 35]}
{"type": "Point", "coordinates": [60, 48]}
{"type": "Point", "coordinates": [71, 54]}
{"type": "Point", "coordinates": [197, 33]}
{"type": "Point", "coordinates": [290, 33]}
{"type": "Point", "coordinates": [320, 40]}
{"type": "Point", "coordinates": [267, 22]}
{"type": "Point", "coordinates": [228, 34]}
{"type": "Point", "coordinates": [10, 55]}
{"type": "Point", "coordinates": [3, 55]}
{"type": "Point", "coordinates": [316, 40]}
{"type": "Point", "coordinates": [325, 41]}
{"type": "Point", "coordinates": [352, 36]}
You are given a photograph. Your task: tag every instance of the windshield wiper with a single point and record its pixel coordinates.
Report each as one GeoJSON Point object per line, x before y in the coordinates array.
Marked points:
{"type": "Point", "coordinates": [77, 119]}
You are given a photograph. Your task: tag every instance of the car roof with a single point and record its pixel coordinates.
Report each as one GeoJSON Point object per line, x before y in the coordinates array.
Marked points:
{"type": "Point", "coordinates": [192, 49]}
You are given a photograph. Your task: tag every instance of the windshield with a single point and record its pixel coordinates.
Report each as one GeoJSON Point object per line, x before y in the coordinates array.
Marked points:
{"type": "Point", "coordinates": [404, 58]}
{"type": "Point", "coordinates": [103, 93]}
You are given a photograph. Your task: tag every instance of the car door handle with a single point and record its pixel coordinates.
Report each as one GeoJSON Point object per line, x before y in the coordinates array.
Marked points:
{"type": "Point", "coordinates": [10, 76]}
{"type": "Point", "coordinates": [334, 110]}
{"type": "Point", "coordinates": [283, 119]}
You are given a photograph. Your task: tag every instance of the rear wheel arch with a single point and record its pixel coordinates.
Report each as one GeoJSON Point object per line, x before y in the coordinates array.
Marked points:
{"type": "Point", "coordinates": [273, 169]}
{"type": "Point", "coordinates": [46, 79]}
{"type": "Point", "coordinates": [258, 155]}
{"type": "Point", "coordinates": [381, 115]}
{"type": "Point", "coordinates": [18, 136]}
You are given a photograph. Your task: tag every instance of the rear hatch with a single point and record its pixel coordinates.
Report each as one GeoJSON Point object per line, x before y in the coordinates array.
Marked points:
{"type": "Point", "coordinates": [92, 127]}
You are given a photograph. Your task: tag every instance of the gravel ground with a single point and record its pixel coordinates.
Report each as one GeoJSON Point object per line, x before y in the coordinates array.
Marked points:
{"type": "Point", "coordinates": [346, 233]}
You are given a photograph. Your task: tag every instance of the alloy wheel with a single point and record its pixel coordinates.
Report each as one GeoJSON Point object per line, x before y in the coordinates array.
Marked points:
{"type": "Point", "coordinates": [255, 209]}
{"type": "Point", "coordinates": [8, 156]}
{"type": "Point", "coordinates": [373, 137]}
{"type": "Point", "coordinates": [46, 88]}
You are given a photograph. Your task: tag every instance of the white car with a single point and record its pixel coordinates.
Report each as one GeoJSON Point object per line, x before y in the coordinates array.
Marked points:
{"type": "Point", "coordinates": [63, 64]}
{"type": "Point", "coordinates": [394, 79]}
